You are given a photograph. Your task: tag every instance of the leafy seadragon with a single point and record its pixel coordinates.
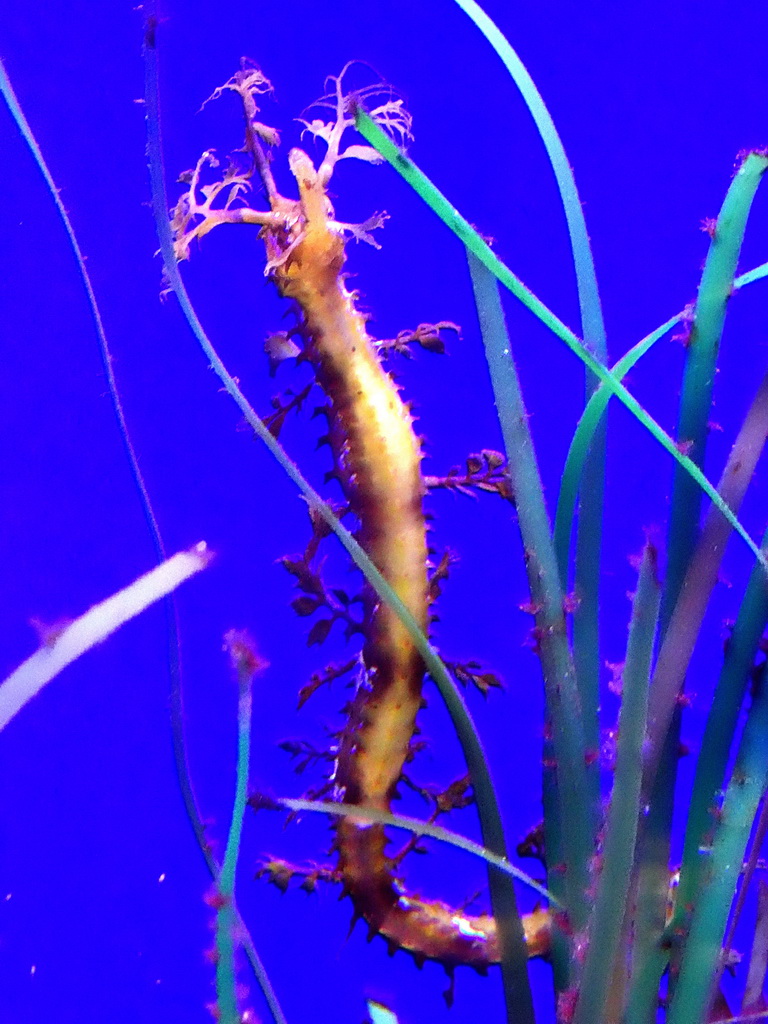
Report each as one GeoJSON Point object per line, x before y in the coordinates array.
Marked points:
{"type": "Point", "coordinates": [377, 457]}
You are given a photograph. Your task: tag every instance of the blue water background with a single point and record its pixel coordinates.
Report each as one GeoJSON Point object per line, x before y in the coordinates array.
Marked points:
{"type": "Point", "coordinates": [101, 886]}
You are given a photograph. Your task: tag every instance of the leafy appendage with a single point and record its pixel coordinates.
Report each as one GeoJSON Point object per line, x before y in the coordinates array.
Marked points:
{"type": "Point", "coordinates": [486, 471]}
{"type": "Point", "coordinates": [390, 115]}
{"type": "Point", "coordinates": [195, 213]}
{"type": "Point", "coordinates": [427, 336]}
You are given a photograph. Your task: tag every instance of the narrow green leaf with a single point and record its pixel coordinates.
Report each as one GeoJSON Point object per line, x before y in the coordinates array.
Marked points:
{"type": "Point", "coordinates": [420, 828]}
{"type": "Point", "coordinates": [750, 276]}
{"type": "Point", "coordinates": [463, 230]}
{"type": "Point", "coordinates": [586, 632]}
{"type": "Point", "coordinates": [701, 576]}
{"type": "Point", "coordinates": [246, 664]}
{"type": "Point", "coordinates": [587, 659]}
{"type": "Point", "coordinates": [6, 89]}
{"type": "Point", "coordinates": [577, 806]}
{"type": "Point", "coordinates": [700, 367]}
{"type": "Point", "coordinates": [758, 957]}
{"type": "Point", "coordinates": [607, 922]}
{"type": "Point", "coordinates": [582, 440]}
{"type": "Point", "coordinates": [719, 733]}
{"type": "Point", "coordinates": [672, 663]}
{"type": "Point", "coordinates": [583, 262]}
{"type": "Point", "coordinates": [596, 406]}
{"type": "Point", "coordinates": [683, 607]}
{"type": "Point", "coordinates": [160, 208]}
{"type": "Point", "coordinates": [701, 964]}
{"type": "Point", "coordinates": [591, 479]}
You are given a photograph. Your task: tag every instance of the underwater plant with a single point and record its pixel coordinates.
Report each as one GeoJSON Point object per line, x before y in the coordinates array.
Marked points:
{"type": "Point", "coordinates": [613, 937]}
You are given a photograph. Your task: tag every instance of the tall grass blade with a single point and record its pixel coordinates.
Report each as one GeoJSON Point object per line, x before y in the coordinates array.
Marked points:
{"type": "Point", "coordinates": [583, 262]}
{"type": "Point", "coordinates": [702, 351]}
{"type": "Point", "coordinates": [6, 89]}
{"type": "Point", "coordinates": [714, 293]}
{"type": "Point", "coordinates": [719, 733]}
{"type": "Point", "coordinates": [583, 438]}
{"type": "Point", "coordinates": [480, 248]}
{"type": "Point", "coordinates": [586, 646]}
{"type": "Point", "coordinates": [653, 857]}
{"type": "Point", "coordinates": [583, 435]}
{"type": "Point", "coordinates": [246, 664]}
{"type": "Point", "coordinates": [750, 866]}
{"type": "Point", "coordinates": [607, 923]}
{"type": "Point", "coordinates": [701, 963]}
{"type": "Point", "coordinates": [576, 812]}
{"type": "Point", "coordinates": [418, 828]}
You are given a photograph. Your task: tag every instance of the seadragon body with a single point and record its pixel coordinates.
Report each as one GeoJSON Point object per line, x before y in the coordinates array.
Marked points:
{"type": "Point", "coordinates": [377, 457]}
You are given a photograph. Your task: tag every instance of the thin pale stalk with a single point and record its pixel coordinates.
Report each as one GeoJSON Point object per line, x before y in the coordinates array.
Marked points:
{"type": "Point", "coordinates": [749, 276]}
{"type": "Point", "coordinates": [418, 828]}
